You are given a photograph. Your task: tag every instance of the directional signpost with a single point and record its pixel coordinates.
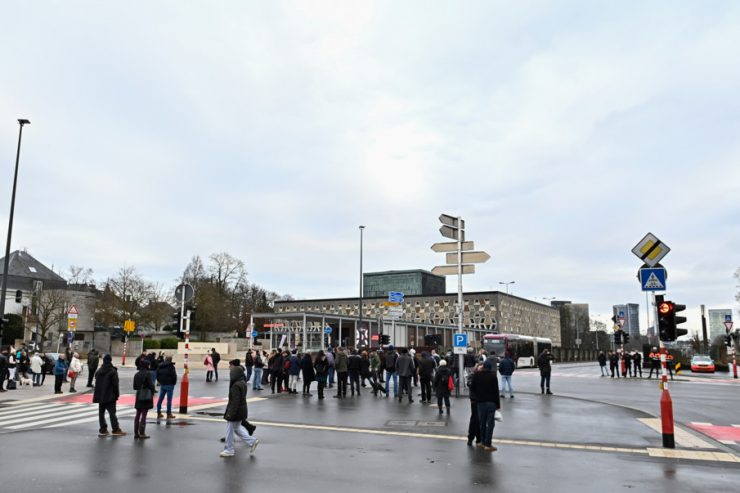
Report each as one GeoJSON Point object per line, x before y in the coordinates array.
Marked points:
{"type": "Point", "coordinates": [457, 263]}
{"type": "Point", "coordinates": [651, 250]}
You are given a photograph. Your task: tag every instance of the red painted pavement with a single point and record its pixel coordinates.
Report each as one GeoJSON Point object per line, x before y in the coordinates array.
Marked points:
{"type": "Point", "coordinates": [727, 433]}
{"type": "Point", "coordinates": [128, 399]}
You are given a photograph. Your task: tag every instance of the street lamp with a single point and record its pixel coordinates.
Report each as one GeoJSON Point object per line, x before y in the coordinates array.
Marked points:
{"type": "Point", "coordinates": [21, 122]}
{"type": "Point", "coordinates": [507, 285]}
{"type": "Point", "coordinates": [362, 229]}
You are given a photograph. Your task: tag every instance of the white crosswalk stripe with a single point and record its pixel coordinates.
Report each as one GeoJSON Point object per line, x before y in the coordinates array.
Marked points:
{"type": "Point", "coordinates": [50, 415]}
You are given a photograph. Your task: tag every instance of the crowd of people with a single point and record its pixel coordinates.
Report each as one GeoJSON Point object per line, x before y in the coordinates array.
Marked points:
{"type": "Point", "coordinates": [628, 364]}
{"type": "Point", "coordinates": [22, 366]}
{"type": "Point", "coordinates": [385, 371]}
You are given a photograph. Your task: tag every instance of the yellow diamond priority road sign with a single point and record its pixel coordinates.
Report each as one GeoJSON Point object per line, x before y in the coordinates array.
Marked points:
{"type": "Point", "coordinates": [651, 250]}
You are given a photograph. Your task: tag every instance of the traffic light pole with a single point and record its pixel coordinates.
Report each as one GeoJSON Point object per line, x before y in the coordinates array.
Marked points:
{"type": "Point", "coordinates": [185, 382]}
{"type": "Point", "coordinates": [125, 344]}
{"type": "Point", "coordinates": [666, 403]}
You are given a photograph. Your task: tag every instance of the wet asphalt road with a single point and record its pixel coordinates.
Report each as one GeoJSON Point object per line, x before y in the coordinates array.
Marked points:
{"type": "Point", "coordinates": [377, 444]}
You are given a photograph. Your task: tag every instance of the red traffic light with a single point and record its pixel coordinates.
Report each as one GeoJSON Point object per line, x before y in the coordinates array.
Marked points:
{"type": "Point", "coordinates": [665, 308]}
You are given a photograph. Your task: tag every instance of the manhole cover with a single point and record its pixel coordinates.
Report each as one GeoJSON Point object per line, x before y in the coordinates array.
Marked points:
{"type": "Point", "coordinates": [438, 424]}
{"type": "Point", "coordinates": [401, 423]}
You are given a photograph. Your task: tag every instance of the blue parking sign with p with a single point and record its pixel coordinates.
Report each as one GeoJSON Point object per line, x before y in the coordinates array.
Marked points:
{"type": "Point", "coordinates": [460, 340]}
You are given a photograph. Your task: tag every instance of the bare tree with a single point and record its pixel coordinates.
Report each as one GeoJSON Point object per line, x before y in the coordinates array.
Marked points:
{"type": "Point", "coordinates": [129, 294]}
{"type": "Point", "coordinates": [79, 275]}
{"type": "Point", "coordinates": [49, 310]}
{"type": "Point", "coordinates": [158, 311]}
{"type": "Point", "coordinates": [226, 271]}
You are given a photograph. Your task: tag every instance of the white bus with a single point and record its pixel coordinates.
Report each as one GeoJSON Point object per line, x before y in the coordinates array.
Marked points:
{"type": "Point", "coordinates": [523, 349]}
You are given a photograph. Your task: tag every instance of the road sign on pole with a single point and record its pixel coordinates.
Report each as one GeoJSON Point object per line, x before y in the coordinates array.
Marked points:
{"type": "Point", "coordinates": [653, 279]}
{"type": "Point", "coordinates": [395, 297]}
{"type": "Point", "coordinates": [451, 246]}
{"type": "Point", "coordinates": [651, 250]}
{"type": "Point", "coordinates": [327, 330]}
{"type": "Point", "coordinates": [460, 342]}
{"type": "Point", "coordinates": [468, 258]}
{"type": "Point", "coordinates": [451, 270]}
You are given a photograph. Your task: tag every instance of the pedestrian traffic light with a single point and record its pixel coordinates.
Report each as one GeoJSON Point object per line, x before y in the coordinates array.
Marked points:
{"type": "Point", "coordinates": [18, 296]}
{"type": "Point", "coordinates": [618, 337]}
{"type": "Point", "coordinates": [728, 340]}
{"type": "Point", "coordinates": [626, 338]}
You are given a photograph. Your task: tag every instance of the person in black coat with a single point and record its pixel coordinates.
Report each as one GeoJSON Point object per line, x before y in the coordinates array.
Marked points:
{"type": "Point", "coordinates": [236, 411]}
{"type": "Point", "coordinates": [442, 386]}
{"type": "Point", "coordinates": [145, 390]}
{"type": "Point", "coordinates": [167, 378]}
{"type": "Point", "coordinates": [321, 365]}
{"type": "Point", "coordinates": [106, 394]}
{"type": "Point", "coordinates": [354, 367]}
{"type": "Point", "coordinates": [485, 385]}
{"type": "Point", "coordinates": [545, 370]}
{"type": "Point", "coordinates": [309, 375]}
{"type": "Point", "coordinates": [425, 371]}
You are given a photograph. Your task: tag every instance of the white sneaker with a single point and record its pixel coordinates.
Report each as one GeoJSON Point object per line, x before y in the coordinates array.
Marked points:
{"type": "Point", "coordinates": [254, 446]}
{"type": "Point", "coordinates": [227, 454]}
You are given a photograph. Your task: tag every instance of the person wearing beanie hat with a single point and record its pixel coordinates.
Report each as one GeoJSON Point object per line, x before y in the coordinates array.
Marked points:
{"type": "Point", "coordinates": [485, 386]}
{"type": "Point", "coordinates": [145, 390]}
{"type": "Point", "coordinates": [106, 394]}
{"type": "Point", "coordinates": [442, 385]}
{"type": "Point", "coordinates": [236, 412]}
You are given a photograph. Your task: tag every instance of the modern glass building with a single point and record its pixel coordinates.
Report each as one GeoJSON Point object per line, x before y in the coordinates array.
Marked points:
{"type": "Point", "coordinates": [409, 282]}
{"type": "Point", "coordinates": [717, 321]}
{"type": "Point", "coordinates": [631, 318]}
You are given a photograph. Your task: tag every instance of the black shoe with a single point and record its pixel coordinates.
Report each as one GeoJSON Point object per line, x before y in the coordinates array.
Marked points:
{"type": "Point", "coordinates": [543, 391]}
{"type": "Point", "coordinates": [223, 439]}
{"type": "Point", "coordinates": [470, 442]}
{"type": "Point", "coordinates": [549, 393]}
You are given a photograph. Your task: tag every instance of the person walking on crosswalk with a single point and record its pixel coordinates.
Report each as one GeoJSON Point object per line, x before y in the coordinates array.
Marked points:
{"type": "Point", "coordinates": [105, 395]}
{"type": "Point", "coordinates": [236, 411]}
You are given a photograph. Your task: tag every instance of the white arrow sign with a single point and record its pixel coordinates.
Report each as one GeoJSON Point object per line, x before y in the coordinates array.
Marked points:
{"type": "Point", "coordinates": [451, 270]}
{"type": "Point", "coordinates": [451, 246]}
{"type": "Point", "coordinates": [468, 258]}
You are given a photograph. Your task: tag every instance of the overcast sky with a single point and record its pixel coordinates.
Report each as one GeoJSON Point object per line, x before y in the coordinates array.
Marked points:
{"type": "Point", "coordinates": [561, 132]}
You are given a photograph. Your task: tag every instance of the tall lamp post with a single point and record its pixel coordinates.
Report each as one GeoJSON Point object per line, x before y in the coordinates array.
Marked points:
{"type": "Point", "coordinates": [21, 122]}
{"type": "Point", "coordinates": [507, 285]}
{"type": "Point", "coordinates": [362, 229]}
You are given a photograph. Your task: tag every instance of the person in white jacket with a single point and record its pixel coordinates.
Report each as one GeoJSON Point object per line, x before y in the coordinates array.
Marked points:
{"type": "Point", "coordinates": [75, 367]}
{"type": "Point", "coordinates": [36, 368]}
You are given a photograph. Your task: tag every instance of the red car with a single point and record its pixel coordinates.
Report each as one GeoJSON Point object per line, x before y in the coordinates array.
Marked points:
{"type": "Point", "coordinates": [700, 363]}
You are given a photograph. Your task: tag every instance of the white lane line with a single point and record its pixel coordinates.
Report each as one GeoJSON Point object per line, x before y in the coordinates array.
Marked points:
{"type": "Point", "coordinates": [33, 407]}
{"type": "Point", "coordinates": [51, 411]}
{"type": "Point", "coordinates": [125, 412]}
{"type": "Point", "coordinates": [69, 415]}
{"type": "Point", "coordinates": [699, 423]}
{"type": "Point", "coordinates": [71, 410]}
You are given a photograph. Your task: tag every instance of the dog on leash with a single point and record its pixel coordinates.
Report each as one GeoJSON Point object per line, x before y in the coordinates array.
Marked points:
{"type": "Point", "coordinates": [25, 381]}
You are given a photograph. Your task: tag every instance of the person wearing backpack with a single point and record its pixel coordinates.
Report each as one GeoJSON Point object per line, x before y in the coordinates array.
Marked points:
{"type": "Point", "coordinates": [442, 386]}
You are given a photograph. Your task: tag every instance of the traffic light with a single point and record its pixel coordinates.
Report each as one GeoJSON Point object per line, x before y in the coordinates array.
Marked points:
{"type": "Point", "coordinates": [618, 337]}
{"type": "Point", "coordinates": [668, 321]}
{"type": "Point", "coordinates": [385, 339]}
{"type": "Point", "coordinates": [18, 296]}
{"type": "Point", "coordinates": [679, 320]}
{"type": "Point", "coordinates": [626, 338]}
{"type": "Point", "coordinates": [728, 340]}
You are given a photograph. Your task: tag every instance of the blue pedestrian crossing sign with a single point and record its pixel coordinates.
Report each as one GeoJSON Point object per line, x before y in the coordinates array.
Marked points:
{"type": "Point", "coordinates": [459, 343]}
{"type": "Point", "coordinates": [395, 297]}
{"type": "Point", "coordinates": [653, 279]}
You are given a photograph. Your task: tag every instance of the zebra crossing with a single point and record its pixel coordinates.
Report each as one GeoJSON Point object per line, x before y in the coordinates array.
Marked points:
{"type": "Point", "coordinates": [50, 414]}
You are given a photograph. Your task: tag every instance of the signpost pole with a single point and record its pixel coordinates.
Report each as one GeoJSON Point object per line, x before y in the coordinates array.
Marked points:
{"type": "Point", "coordinates": [460, 357]}
{"type": "Point", "coordinates": [185, 383]}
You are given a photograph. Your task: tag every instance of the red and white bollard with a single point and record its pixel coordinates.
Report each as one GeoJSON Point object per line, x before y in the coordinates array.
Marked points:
{"type": "Point", "coordinates": [666, 404]}
{"type": "Point", "coordinates": [734, 363]}
{"type": "Point", "coordinates": [125, 343]}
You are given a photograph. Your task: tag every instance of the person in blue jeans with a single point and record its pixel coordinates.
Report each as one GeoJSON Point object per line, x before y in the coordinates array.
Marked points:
{"type": "Point", "coordinates": [506, 367]}
{"type": "Point", "coordinates": [485, 386]}
{"type": "Point", "coordinates": [258, 365]}
{"type": "Point", "coordinates": [390, 371]}
{"type": "Point", "coordinates": [330, 360]}
{"type": "Point", "coordinates": [167, 378]}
